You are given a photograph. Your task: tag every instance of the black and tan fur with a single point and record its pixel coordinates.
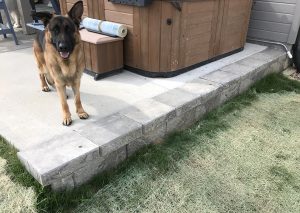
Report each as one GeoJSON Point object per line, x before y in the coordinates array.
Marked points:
{"type": "Point", "coordinates": [59, 56]}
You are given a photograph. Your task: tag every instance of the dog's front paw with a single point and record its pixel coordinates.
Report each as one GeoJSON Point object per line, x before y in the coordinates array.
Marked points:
{"type": "Point", "coordinates": [46, 89]}
{"type": "Point", "coordinates": [67, 121]}
{"type": "Point", "coordinates": [83, 115]}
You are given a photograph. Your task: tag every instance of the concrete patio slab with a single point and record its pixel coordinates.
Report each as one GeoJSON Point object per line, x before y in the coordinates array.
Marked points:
{"type": "Point", "coordinates": [127, 111]}
{"type": "Point", "coordinates": [8, 44]}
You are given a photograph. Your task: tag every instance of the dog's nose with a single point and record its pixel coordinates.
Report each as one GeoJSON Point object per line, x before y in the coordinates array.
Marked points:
{"type": "Point", "coordinates": [62, 47]}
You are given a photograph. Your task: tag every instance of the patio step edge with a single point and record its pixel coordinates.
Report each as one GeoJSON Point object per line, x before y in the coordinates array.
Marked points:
{"type": "Point", "coordinates": [115, 138]}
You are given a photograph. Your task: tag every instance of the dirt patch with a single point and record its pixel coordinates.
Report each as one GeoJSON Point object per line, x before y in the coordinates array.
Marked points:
{"type": "Point", "coordinates": [292, 73]}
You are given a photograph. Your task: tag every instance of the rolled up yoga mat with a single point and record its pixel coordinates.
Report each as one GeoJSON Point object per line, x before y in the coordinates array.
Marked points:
{"type": "Point", "coordinates": [91, 24]}
{"type": "Point", "coordinates": [105, 27]}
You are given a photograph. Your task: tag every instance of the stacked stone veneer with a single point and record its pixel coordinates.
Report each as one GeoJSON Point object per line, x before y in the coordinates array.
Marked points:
{"type": "Point", "coordinates": [72, 159]}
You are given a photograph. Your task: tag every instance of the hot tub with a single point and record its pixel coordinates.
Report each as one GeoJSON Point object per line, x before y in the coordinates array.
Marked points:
{"type": "Point", "coordinates": [167, 38]}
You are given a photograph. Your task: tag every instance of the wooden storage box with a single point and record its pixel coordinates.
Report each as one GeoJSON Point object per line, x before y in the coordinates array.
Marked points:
{"type": "Point", "coordinates": [103, 54]}
{"type": "Point", "coordinates": [164, 41]}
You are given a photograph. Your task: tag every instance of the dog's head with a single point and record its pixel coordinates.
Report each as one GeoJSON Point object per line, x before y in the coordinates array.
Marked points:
{"type": "Point", "coordinates": [62, 31]}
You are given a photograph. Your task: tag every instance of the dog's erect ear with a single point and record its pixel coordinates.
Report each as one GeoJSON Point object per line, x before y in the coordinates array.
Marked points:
{"type": "Point", "coordinates": [43, 16]}
{"type": "Point", "coordinates": [76, 12]}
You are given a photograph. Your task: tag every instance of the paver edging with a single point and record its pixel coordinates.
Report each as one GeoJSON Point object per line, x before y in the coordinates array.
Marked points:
{"type": "Point", "coordinates": [174, 116]}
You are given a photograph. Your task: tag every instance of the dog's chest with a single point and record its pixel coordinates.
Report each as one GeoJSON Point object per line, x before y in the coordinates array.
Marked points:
{"type": "Point", "coordinates": [66, 72]}
{"type": "Point", "coordinates": [69, 72]}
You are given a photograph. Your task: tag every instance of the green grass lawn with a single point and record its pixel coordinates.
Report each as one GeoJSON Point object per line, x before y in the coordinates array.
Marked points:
{"type": "Point", "coordinates": [242, 157]}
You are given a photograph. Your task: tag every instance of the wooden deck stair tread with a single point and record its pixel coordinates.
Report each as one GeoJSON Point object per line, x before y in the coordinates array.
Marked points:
{"type": "Point", "coordinates": [96, 38]}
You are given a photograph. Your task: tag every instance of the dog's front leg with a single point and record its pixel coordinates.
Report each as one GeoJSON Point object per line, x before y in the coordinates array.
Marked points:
{"type": "Point", "coordinates": [79, 109]}
{"type": "Point", "coordinates": [67, 120]}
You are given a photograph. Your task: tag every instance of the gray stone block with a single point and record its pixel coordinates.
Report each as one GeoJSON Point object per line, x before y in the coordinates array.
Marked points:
{"type": "Point", "coordinates": [260, 69]}
{"type": "Point", "coordinates": [65, 183]}
{"type": "Point", "coordinates": [221, 77]}
{"type": "Point", "coordinates": [255, 63]}
{"type": "Point", "coordinates": [275, 67]}
{"type": "Point", "coordinates": [246, 83]}
{"type": "Point", "coordinates": [212, 102]}
{"type": "Point", "coordinates": [246, 74]}
{"type": "Point", "coordinates": [71, 166]}
{"type": "Point", "coordinates": [155, 135]}
{"type": "Point", "coordinates": [186, 119]}
{"type": "Point", "coordinates": [112, 132]}
{"type": "Point", "coordinates": [181, 100]}
{"type": "Point", "coordinates": [230, 82]}
{"type": "Point", "coordinates": [134, 146]}
{"type": "Point", "coordinates": [200, 112]}
{"type": "Point", "coordinates": [201, 88]}
{"type": "Point", "coordinates": [152, 115]}
{"type": "Point", "coordinates": [277, 63]}
{"type": "Point", "coordinates": [229, 91]}
{"type": "Point", "coordinates": [181, 121]}
{"type": "Point", "coordinates": [286, 62]}
{"type": "Point", "coordinates": [268, 55]}
{"type": "Point", "coordinates": [238, 69]}
{"type": "Point", "coordinates": [99, 165]}
{"type": "Point", "coordinates": [118, 124]}
{"type": "Point", "coordinates": [60, 157]}
{"type": "Point", "coordinates": [283, 58]}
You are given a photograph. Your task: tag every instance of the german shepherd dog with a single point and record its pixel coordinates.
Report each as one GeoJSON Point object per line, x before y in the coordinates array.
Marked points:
{"type": "Point", "coordinates": [59, 56]}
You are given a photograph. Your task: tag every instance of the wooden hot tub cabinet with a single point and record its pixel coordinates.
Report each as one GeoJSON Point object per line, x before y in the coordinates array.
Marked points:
{"type": "Point", "coordinates": [164, 41]}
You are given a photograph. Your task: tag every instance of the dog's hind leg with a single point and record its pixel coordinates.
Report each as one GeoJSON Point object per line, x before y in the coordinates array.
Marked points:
{"type": "Point", "coordinates": [45, 87]}
{"type": "Point", "coordinates": [49, 79]}
{"type": "Point", "coordinates": [40, 60]}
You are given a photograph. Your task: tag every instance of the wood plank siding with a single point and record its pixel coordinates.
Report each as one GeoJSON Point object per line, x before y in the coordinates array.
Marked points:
{"type": "Point", "coordinates": [276, 20]}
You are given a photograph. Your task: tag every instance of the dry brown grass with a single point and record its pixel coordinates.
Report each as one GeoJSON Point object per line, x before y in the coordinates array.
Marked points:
{"type": "Point", "coordinates": [13, 196]}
